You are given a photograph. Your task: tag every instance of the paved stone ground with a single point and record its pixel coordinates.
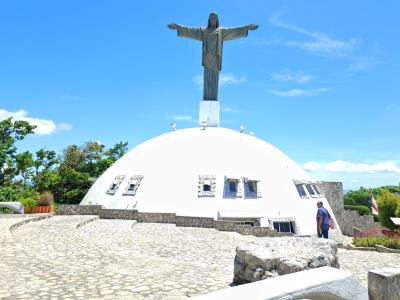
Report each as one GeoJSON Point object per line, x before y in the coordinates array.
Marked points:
{"type": "Point", "coordinates": [53, 259]}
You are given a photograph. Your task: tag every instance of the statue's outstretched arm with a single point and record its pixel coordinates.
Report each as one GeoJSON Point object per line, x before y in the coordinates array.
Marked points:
{"type": "Point", "coordinates": [188, 32]}
{"type": "Point", "coordinates": [237, 32]}
{"type": "Point", "coordinates": [172, 26]}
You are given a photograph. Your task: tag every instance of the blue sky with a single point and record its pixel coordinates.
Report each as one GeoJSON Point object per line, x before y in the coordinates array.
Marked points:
{"type": "Point", "coordinates": [318, 79]}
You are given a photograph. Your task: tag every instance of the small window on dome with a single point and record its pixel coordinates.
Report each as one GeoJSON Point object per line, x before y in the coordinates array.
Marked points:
{"type": "Point", "coordinates": [133, 185]}
{"type": "Point", "coordinates": [251, 188]}
{"type": "Point", "coordinates": [232, 187]}
{"type": "Point", "coordinates": [112, 189]}
{"type": "Point", "coordinates": [301, 190]}
{"type": "Point", "coordinates": [206, 186]}
{"type": "Point", "coordinates": [316, 189]}
{"type": "Point", "coordinates": [311, 191]}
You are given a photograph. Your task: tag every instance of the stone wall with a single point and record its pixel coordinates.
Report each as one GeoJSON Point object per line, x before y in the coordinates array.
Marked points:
{"type": "Point", "coordinates": [125, 214]}
{"type": "Point", "coordinates": [194, 222]}
{"type": "Point", "coordinates": [347, 219]}
{"type": "Point", "coordinates": [71, 209]}
{"type": "Point", "coordinates": [259, 231]}
{"type": "Point", "coordinates": [184, 221]}
{"type": "Point", "coordinates": [224, 225]}
{"type": "Point", "coordinates": [145, 217]}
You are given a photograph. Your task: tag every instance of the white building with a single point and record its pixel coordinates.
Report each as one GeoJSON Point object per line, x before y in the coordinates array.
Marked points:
{"type": "Point", "coordinates": [212, 172]}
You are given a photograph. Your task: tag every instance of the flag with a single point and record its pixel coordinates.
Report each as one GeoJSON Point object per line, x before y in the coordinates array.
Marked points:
{"type": "Point", "coordinates": [374, 206]}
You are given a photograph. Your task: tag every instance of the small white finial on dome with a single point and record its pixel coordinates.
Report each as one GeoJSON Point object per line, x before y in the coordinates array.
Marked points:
{"type": "Point", "coordinates": [173, 126]}
{"type": "Point", "coordinates": [203, 125]}
{"type": "Point", "coordinates": [252, 133]}
{"type": "Point", "coordinates": [242, 128]}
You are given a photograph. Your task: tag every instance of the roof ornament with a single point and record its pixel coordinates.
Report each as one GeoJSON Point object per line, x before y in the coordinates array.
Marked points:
{"type": "Point", "coordinates": [173, 127]}
{"type": "Point", "coordinates": [203, 125]}
{"type": "Point", "coordinates": [242, 128]}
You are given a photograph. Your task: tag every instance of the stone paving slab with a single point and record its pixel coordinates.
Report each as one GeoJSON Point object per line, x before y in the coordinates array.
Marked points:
{"type": "Point", "coordinates": [118, 259]}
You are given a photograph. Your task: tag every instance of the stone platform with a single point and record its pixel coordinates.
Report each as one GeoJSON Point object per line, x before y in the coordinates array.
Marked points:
{"type": "Point", "coordinates": [122, 259]}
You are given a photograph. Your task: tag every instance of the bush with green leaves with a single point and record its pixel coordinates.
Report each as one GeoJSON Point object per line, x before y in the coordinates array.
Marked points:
{"type": "Point", "coordinates": [393, 243]}
{"type": "Point", "coordinates": [363, 210]}
{"type": "Point", "coordinates": [29, 201]}
{"type": "Point", "coordinates": [14, 193]}
{"type": "Point", "coordinates": [376, 218]}
{"type": "Point", "coordinates": [388, 205]}
{"type": "Point", "coordinates": [46, 198]}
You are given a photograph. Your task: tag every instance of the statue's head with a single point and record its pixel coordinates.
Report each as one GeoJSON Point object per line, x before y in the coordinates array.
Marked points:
{"type": "Point", "coordinates": [213, 21]}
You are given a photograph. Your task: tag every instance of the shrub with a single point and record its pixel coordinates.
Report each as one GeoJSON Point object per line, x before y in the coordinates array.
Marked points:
{"type": "Point", "coordinates": [388, 203]}
{"type": "Point", "coordinates": [359, 197]}
{"type": "Point", "coordinates": [46, 198]}
{"type": "Point", "coordinates": [376, 218]}
{"type": "Point", "coordinates": [388, 242]}
{"type": "Point", "coordinates": [363, 210]}
{"type": "Point", "coordinates": [29, 201]}
{"type": "Point", "coordinates": [392, 233]}
{"type": "Point", "coordinates": [374, 231]}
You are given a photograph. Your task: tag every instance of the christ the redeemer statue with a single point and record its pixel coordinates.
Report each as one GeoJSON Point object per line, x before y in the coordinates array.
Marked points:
{"type": "Point", "coordinates": [212, 37]}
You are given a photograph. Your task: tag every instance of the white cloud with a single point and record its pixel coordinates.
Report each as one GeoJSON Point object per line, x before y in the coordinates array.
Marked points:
{"type": "Point", "coordinates": [230, 79]}
{"type": "Point", "coordinates": [229, 109]}
{"type": "Point", "coordinates": [184, 118]}
{"type": "Point", "coordinates": [224, 79]}
{"type": "Point", "coordinates": [44, 127]}
{"type": "Point", "coordinates": [320, 43]}
{"type": "Point", "coordinates": [289, 76]}
{"type": "Point", "coordinates": [312, 166]}
{"type": "Point", "coordinates": [365, 63]}
{"type": "Point", "coordinates": [299, 92]}
{"type": "Point", "coordinates": [350, 167]}
{"type": "Point", "coordinates": [64, 126]}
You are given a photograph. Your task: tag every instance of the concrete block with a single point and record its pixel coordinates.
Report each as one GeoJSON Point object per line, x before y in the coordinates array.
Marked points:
{"type": "Point", "coordinates": [384, 284]}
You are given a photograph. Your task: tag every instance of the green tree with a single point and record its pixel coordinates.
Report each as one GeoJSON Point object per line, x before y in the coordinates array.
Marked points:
{"type": "Point", "coordinates": [388, 204]}
{"type": "Point", "coordinates": [24, 165]}
{"type": "Point", "coordinates": [11, 132]}
{"type": "Point", "coordinates": [71, 186]}
{"type": "Point", "coordinates": [359, 197]}
{"type": "Point", "coordinates": [117, 151]}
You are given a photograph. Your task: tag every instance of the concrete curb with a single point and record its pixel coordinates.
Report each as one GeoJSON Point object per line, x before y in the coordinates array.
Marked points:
{"type": "Point", "coordinates": [83, 223]}
{"type": "Point", "coordinates": [133, 223]}
{"type": "Point", "coordinates": [384, 249]}
{"type": "Point", "coordinates": [33, 219]}
{"type": "Point", "coordinates": [378, 248]}
{"type": "Point", "coordinates": [352, 247]}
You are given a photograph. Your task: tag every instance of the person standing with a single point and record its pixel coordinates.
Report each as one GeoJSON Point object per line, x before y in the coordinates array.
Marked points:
{"type": "Point", "coordinates": [323, 220]}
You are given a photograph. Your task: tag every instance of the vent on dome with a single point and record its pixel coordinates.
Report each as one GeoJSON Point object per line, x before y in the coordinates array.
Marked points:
{"type": "Point", "coordinates": [232, 187]}
{"type": "Point", "coordinates": [251, 188]}
{"type": "Point", "coordinates": [115, 184]}
{"type": "Point", "coordinates": [133, 185]}
{"type": "Point", "coordinates": [206, 186]}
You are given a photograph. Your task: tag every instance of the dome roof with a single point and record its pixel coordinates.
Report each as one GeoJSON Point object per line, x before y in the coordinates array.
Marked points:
{"type": "Point", "coordinates": [190, 172]}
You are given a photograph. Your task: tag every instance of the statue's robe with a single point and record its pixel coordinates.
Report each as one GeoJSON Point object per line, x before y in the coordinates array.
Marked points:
{"type": "Point", "coordinates": [212, 52]}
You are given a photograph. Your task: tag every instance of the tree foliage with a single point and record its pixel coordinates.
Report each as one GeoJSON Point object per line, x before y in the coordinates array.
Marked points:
{"type": "Point", "coordinates": [24, 176]}
{"type": "Point", "coordinates": [11, 132]}
{"type": "Point", "coordinates": [388, 204]}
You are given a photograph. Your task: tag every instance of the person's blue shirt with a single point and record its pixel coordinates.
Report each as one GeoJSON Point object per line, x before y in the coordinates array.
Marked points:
{"type": "Point", "coordinates": [322, 212]}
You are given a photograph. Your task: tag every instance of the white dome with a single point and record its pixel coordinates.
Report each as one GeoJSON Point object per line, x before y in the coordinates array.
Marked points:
{"type": "Point", "coordinates": [169, 167]}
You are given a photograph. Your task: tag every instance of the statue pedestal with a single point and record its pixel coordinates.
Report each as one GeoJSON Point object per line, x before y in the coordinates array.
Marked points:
{"type": "Point", "coordinates": [209, 112]}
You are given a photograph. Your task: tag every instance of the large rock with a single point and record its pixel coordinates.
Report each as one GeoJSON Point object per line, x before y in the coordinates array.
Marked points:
{"type": "Point", "coordinates": [270, 257]}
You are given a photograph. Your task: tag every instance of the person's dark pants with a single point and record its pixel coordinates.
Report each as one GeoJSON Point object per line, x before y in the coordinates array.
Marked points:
{"type": "Point", "coordinates": [324, 233]}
